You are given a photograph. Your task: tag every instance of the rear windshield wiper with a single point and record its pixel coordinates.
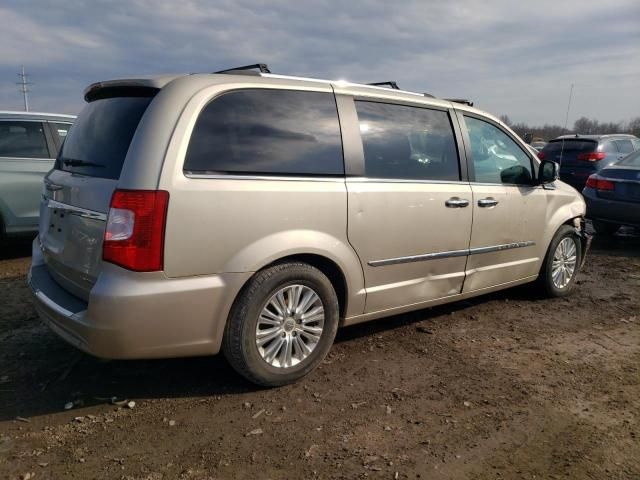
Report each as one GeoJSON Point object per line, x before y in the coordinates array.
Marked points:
{"type": "Point", "coordinates": [72, 162]}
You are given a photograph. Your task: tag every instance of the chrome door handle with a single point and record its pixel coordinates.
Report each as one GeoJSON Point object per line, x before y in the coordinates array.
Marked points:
{"type": "Point", "coordinates": [487, 202]}
{"type": "Point", "coordinates": [455, 202]}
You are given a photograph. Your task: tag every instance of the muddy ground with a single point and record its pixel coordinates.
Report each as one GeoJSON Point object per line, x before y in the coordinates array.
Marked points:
{"type": "Point", "coordinates": [505, 386]}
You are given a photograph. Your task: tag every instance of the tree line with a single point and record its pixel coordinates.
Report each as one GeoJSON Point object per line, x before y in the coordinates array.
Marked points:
{"type": "Point", "coordinates": [583, 125]}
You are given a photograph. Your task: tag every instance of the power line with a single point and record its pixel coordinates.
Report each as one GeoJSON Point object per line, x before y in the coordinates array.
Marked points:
{"type": "Point", "coordinates": [24, 88]}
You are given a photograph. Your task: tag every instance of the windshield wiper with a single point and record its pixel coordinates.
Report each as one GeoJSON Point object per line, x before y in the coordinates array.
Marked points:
{"type": "Point", "coordinates": [72, 162]}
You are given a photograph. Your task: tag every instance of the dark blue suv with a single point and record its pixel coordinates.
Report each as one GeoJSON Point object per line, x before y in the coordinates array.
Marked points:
{"type": "Point", "coordinates": [582, 155]}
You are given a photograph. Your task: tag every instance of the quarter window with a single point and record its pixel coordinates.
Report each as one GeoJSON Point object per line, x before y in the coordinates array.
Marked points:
{"type": "Point", "coordinates": [496, 157]}
{"type": "Point", "coordinates": [267, 132]}
{"type": "Point", "coordinates": [23, 140]}
{"type": "Point", "coordinates": [407, 142]}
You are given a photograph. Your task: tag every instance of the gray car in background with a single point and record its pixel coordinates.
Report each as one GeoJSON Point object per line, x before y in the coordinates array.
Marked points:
{"type": "Point", "coordinates": [29, 144]}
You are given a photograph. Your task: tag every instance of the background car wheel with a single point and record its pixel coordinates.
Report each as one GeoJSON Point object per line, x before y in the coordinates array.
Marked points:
{"type": "Point", "coordinates": [282, 324]}
{"type": "Point", "coordinates": [605, 228]}
{"type": "Point", "coordinates": [560, 267]}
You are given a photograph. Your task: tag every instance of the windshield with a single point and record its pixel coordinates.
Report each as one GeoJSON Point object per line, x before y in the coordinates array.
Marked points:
{"type": "Point", "coordinates": [570, 146]}
{"type": "Point", "coordinates": [98, 141]}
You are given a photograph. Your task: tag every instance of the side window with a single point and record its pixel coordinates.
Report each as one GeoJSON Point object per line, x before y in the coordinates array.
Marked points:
{"type": "Point", "coordinates": [624, 146]}
{"type": "Point", "coordinates": [267, 132]}
{"type": "Point", "coordinates": [62, 129]}
{"type": "Point", "coordinates": [22, 140]}
{"type": "Point", "coordinates": [609, 147]}
{"type": "Point", "coordinates": [407, 142]}
{"type": "Point", "coordinates": [496, 157]}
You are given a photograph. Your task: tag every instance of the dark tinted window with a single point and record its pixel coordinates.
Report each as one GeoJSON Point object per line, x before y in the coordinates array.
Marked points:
{"type": "Point", "coordinates": [268, 131]}
{"type": "Point", "coordinates": [624, 146]}
{"type": "Point", "coordinates": [98, 141]}
{"type": "Point", "coordinates": [23, 140]}
{"type": "Point", "coordinates": [407, 142]}
{"type": "Point", "coordinates": [496, 157]}
{"type": "Point", "coordinates": [570, 145]}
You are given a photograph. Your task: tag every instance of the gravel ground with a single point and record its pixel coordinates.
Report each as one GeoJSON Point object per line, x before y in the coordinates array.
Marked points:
{"type": "Point", "coordinates": [508, 385]}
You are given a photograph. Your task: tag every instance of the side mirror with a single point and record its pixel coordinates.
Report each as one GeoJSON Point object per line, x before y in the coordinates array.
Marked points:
{"type": "Point", "coordinates": [549, 172]}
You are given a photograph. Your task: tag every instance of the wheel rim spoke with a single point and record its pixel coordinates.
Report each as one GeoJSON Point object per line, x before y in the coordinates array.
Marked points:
{"type": "Point", "coordinates": [564, 263]}
{"type": "Point", "coordinates": [289, 326]}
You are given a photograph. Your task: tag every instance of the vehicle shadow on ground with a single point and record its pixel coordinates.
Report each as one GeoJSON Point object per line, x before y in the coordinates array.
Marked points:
{"type": "Point", "coordinates": [15, 248]}
{"type": "Point", "coordinates": [51, 373]}
{"type": "Point", "coordinates": [625, 243]}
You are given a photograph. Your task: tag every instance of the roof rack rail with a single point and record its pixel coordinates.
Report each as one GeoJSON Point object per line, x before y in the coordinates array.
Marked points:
{"type": "Point", "coordinates": [428, 95]}
{"type": "Point", "coordinates": [460, 100]}
{"type": "Point", "coordinates": [392, 85]}
{"type": "Point", "coordinates": [247, 69]}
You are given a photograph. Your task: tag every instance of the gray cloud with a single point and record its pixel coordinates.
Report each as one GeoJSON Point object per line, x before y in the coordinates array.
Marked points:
{"type": "Point", "coordinates": [509, 58]}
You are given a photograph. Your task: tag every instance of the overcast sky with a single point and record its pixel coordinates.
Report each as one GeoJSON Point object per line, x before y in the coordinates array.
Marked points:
{"type": "Point", "coordinates": [514, 58]}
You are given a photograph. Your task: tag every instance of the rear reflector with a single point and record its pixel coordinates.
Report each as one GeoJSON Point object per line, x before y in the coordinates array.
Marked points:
{"type": "Point", "coordinates": [592, 157]}
{"type": "Point", "coordinates": [598, 183]}
{"type": "Point", "coordinates": [134, 237]}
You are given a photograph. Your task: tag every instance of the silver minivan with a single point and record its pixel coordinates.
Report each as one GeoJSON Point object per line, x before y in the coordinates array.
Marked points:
{"type": "Point", "coordinates": [254, 214]}
{"type": "Point", "coordinates": [29, 143]}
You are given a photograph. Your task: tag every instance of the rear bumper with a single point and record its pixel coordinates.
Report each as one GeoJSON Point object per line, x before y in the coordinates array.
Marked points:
{"type": "Point", "coordinates": [138, 315]}
{"type": "Point", "coordinates": [625, 213]}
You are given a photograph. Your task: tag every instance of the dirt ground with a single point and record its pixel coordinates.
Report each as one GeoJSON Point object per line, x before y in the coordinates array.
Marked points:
{"type": "Point", "coordinates": [508, 385]}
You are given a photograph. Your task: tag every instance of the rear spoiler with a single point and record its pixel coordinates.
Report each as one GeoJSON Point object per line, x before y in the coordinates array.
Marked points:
{"type": "Point", "coordinates": [127, 87]}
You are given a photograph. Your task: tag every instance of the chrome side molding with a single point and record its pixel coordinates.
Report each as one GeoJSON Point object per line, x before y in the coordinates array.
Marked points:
{"type": "Point", "coordinates": [450, 253]}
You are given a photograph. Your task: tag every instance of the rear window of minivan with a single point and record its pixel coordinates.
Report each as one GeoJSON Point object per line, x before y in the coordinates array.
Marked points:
{"type": "Point", "coordinates": [97, 143]}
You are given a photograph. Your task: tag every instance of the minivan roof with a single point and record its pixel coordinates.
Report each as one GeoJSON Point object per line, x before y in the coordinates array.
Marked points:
{"type": "Point", "coordinates": [340, 86]}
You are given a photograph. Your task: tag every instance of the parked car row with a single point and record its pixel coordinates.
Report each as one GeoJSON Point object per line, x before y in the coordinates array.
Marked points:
{"type": "Point", "coordinates": [606, 170]}
{"type": "Point", "coordinates": [29, 144]}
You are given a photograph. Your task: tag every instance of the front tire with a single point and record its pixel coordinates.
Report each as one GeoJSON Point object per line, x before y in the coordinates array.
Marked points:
{"type": "Point", "coordinates": [282, 324]}
{"type": "Point", "coordinates": [560, 267]}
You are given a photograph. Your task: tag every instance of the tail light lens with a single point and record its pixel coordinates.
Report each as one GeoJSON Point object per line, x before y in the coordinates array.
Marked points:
{"type": "Point", "coordinates": [541, 155]}
{"type": "Point", "coordinates": [134, 237]}
{"type": "Point", "coordinates": [592, 157]}
{"type": "Point", "coordinates": [598, 183]}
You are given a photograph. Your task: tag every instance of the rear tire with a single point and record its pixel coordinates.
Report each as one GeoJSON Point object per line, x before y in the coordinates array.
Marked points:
{"type": "Point", "coordinates": [560, 268]}
{"type": "Point", "coordinates": [271, 337]}
{"type": "Point", "coordinates": [605, 228]}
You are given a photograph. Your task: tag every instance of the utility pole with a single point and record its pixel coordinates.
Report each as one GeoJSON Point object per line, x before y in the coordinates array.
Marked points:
{"type": "Point", "coordinates": [24, 88]}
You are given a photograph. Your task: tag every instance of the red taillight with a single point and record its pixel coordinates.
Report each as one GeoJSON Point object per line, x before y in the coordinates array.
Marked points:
{"type": "Point", "coordinates": [600, 184]}
{"type": "Point", "coordinates": [134, 237]}
{"type": "Point", "coordinates": [541, 155]}
{"type": "Point", "coordinates": [592, 157]}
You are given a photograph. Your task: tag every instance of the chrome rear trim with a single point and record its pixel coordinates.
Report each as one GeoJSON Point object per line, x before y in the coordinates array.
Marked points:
{"type": "Point", "coordinates": [81, 212]}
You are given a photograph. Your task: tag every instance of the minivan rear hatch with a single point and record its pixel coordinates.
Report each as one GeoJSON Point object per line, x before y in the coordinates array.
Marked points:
{"type": "Point", "coordinates": [78, 190]}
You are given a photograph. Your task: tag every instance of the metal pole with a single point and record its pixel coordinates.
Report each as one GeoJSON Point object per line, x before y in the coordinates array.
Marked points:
{"type": "Point", "coordinates": [24, 88]}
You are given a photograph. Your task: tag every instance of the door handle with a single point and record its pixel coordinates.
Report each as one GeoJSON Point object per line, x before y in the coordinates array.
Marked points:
{"type": "Point", "coordinates": [455, 202]}
{"type": "Point", "coordinates": [487, 202]}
